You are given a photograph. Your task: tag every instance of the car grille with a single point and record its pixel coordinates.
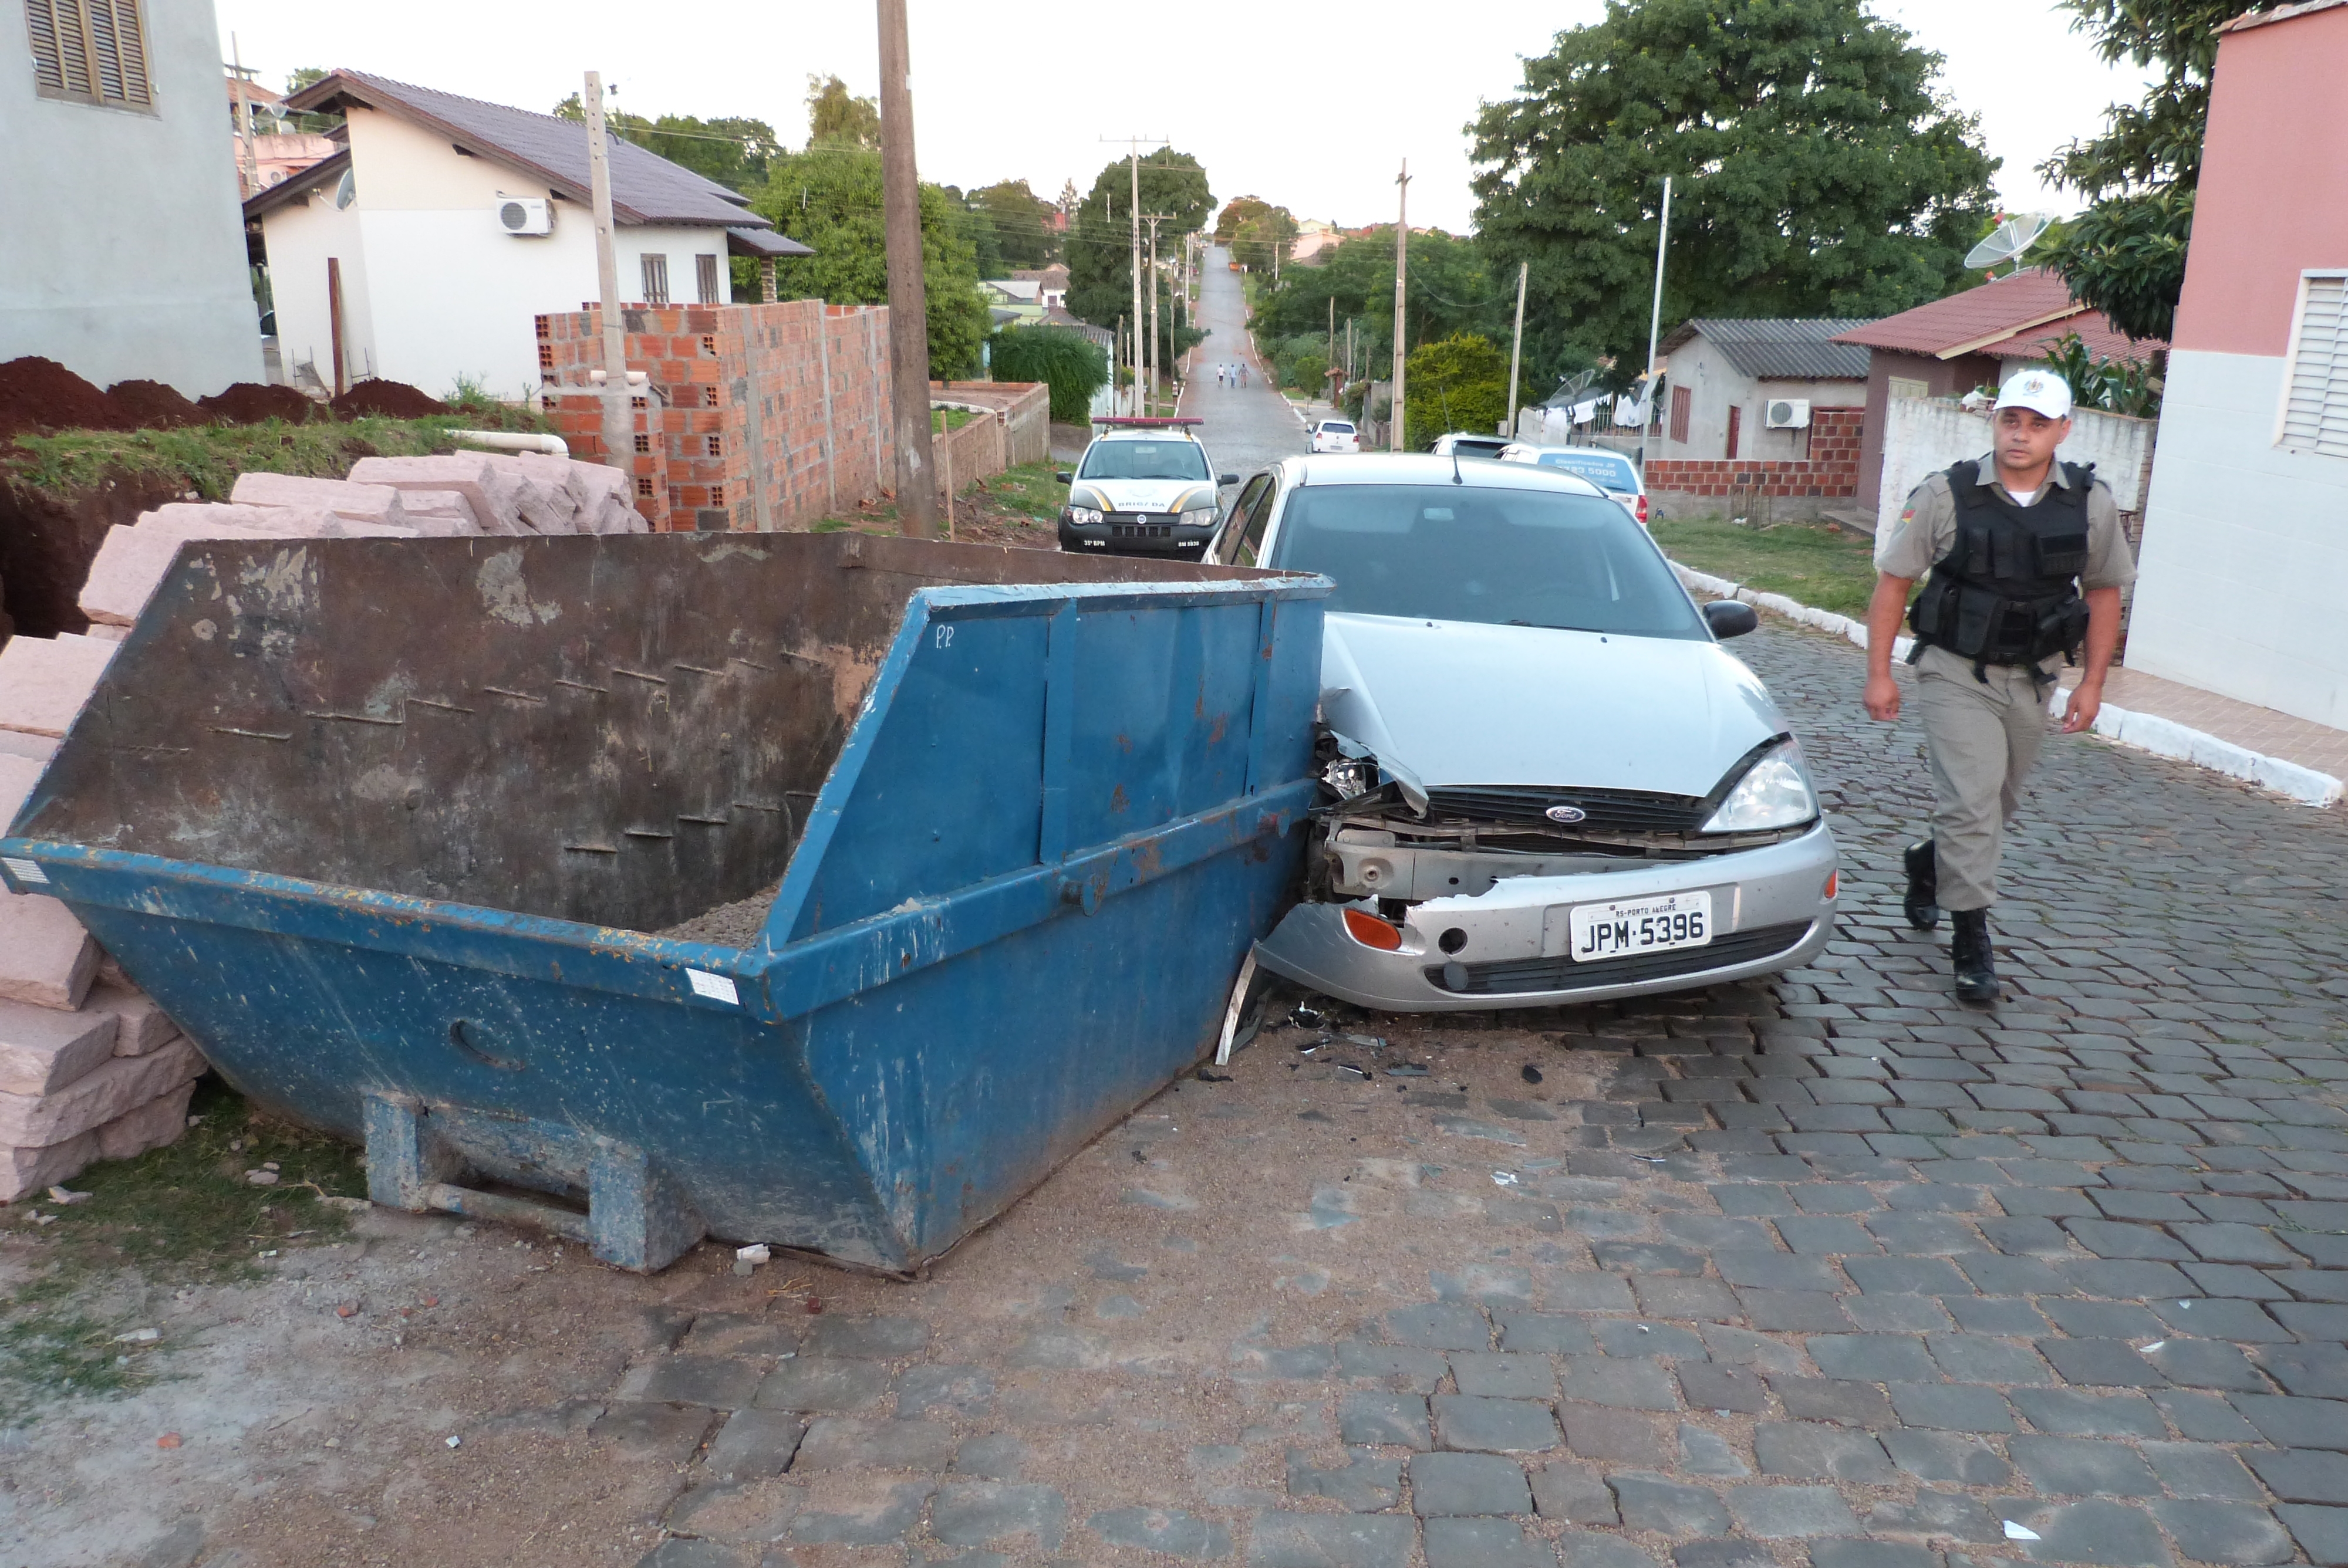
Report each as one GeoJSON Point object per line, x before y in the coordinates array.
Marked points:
{"type": "Point", "coordinates": [1126, 528]}
{"type": "Point", "coordinates": [1607, 810]}
{"type": "Point", "coordinates": [1562, 974]}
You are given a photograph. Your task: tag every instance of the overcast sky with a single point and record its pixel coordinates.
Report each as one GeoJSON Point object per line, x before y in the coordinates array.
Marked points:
{"type": "Point", "coordinates": [1310, 106]}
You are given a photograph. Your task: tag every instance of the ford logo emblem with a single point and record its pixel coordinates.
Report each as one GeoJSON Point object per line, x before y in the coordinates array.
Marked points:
{"type": "Point", "coordinates": [1565, 814]}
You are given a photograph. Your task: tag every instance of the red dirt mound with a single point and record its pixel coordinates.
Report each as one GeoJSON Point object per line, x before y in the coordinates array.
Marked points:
{"type": "Point", "coordinates": [389, 399]}
{"type": "Point", "coordinates": [151, 406]}
{"type": "Point", "coordinates": [250, 403]}
{"type": "Point", "coordinates": [38, 394]}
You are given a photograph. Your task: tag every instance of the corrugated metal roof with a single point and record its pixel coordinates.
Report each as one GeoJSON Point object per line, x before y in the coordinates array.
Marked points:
{"type": "Point", "coordinates": [1792, 348]}
{"type": "Point", "coordinates": [741, 242]}
{"type": "Point", "coordinates": [645, 187]}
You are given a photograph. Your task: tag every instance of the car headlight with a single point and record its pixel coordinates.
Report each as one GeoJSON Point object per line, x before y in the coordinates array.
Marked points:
{"type": "Point", "coordinates": [1774, 792]}
{"type": "Point", "coordinates": [1198, 516]}
{"type": "Point", "coordinates": [1084, 516]}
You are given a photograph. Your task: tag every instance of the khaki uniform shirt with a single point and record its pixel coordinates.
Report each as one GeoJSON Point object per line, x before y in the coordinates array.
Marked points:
{"type": "Point", "coordinates": [1927, 528]}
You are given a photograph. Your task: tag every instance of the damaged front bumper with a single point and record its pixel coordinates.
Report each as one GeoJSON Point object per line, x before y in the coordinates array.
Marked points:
{"type": "Point", "coordinates": [1500, 940]}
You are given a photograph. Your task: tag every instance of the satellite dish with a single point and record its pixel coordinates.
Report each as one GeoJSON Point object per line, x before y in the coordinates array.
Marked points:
{"type": "Point", "coordinates": [2009, 239]}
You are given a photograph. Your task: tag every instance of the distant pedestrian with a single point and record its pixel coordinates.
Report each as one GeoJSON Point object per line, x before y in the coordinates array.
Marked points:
{"type": "Point", "coordinates": [2011, 539]}
{"type": "Point", "coordinates": [1219, 375]}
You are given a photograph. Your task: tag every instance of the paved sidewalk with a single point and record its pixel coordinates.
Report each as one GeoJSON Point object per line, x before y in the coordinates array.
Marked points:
{"type": "Point", "coordinates": [2246, 724]}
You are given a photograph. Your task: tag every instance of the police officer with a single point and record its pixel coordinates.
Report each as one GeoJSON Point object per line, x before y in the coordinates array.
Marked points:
{"type": "Point", "coordinates": [2010, 540]}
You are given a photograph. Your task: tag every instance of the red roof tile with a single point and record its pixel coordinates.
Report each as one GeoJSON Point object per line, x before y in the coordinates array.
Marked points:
{"type": "Point", "coordinates": [1992, 311]}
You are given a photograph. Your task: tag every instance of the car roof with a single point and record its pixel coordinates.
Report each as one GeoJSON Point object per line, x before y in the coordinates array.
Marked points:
{"type": "Point", "coordinates": [1426, 468]}
{"type": "Point", "coordinates": [1153, 433]}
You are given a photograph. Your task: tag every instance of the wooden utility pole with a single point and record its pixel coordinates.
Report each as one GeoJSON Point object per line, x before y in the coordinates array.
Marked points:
{"type": "Point", "coordinates": [909, 310]}
{"type": "Point", "coordinates": [1151, 406]}
{"type": "Point", "coordinates": [1402, 264]}
{"type": "Point", "coordinates": [1517, 350]}
{"type": "Point", "coordinates": [619, 427]}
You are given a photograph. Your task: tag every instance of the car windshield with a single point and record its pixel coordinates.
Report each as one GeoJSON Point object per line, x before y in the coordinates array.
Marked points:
{"type": "Point", "coordinates": [1600, 469]}
{"type": "Point", "coordinates": [1503, 556]}
{"type": "Point", "coordinates": [1145, 460]}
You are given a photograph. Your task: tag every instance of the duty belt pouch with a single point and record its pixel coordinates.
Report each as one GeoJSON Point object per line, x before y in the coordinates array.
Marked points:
{"type": "Point", "coordinates": [1978, 619]}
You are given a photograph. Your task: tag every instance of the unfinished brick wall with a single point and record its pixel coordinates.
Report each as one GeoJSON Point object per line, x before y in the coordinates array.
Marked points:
{"type": "Point", "coordinates": [1829, 472]}
{"type": "Point", "coordinates": [753, 417]}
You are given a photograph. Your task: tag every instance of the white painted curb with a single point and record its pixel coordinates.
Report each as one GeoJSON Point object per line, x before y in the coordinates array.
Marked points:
{"type": "Point", "coordinates": [2145, 732]}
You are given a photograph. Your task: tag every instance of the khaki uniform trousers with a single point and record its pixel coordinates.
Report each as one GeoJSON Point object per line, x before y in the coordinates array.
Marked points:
{"type": "Point", "coordinates": [1981, 738]}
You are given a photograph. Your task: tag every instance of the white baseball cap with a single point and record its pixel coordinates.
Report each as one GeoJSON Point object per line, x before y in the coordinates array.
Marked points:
{"type": "Point", "coordinates": [2040, 391]}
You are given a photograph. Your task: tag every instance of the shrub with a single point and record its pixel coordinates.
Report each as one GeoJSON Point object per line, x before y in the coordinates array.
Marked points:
{"type": "Point", "coordinates": [1074, 365]}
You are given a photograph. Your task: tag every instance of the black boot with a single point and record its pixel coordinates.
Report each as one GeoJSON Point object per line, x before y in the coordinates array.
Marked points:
{"type": "Point", "coordinates": [1923, 886]}
{"type": "Point", "coordinates": [1969, 950]}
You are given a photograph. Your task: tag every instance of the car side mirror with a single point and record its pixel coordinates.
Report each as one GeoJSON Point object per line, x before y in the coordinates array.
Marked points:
{"type": "Point", "coordinates": [1730, 617]}
{"type": "Point", "coordinates": [1227, 478]}
{"type": "Point", "coordinates": [1063, 478]}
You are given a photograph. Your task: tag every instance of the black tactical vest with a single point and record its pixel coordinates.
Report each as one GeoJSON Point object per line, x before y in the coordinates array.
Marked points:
{"type": "Point", "coordinates": [2007, 592]}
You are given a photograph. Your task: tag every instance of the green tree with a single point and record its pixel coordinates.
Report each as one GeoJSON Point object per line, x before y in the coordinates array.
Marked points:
{"type": "Point", "coordinates": [302, 77]}
{"type": "Point", "coordinates": [2125, 254]}
{"type": "Point", "coordinates": [976, 229]}
{"type": "Point", "coordinates": [1817, 171]}
{"type": "Point", "coordinates": [1100, 263]}
{"type": "Point", "coordinates": [829, 198]}
{"type": "Point", "coordinates": [1261, 237]}
{"type": "Point", "coordinates": [1020, 220]}
{"type": "Point", "coordinates": [1457, 384]}
{"type": "Point", "coordinates": [1449, 290]}
{"type": "Point", "coordinates": [836, 116]}
{"type": "Point", "coordinates": [1236, 211]}
{"type": "Point", "coordinates": [1075, 366]}
{"type": "Point", "coordinates": [733, 151]}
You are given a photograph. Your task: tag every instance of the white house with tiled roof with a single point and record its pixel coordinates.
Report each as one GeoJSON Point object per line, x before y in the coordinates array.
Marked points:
{"type": "Point", "coordinates": [424, 249]}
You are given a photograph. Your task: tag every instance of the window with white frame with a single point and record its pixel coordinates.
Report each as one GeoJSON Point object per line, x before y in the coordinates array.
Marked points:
{"type": "Point", "coordinates": [705, 278]}
{"type": "Point", "coordinates": [656, 280]}
{"type": "Point", "coordinates": [2316, 379]}
{"type": "Point", "coordinates": [90, 51]}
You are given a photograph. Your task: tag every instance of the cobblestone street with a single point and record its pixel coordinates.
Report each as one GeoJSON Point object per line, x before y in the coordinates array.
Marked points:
{"type": "Point", "coordinates": [1829, 1270]}
{"type": "Point", "coordinates": [1826, 1271]}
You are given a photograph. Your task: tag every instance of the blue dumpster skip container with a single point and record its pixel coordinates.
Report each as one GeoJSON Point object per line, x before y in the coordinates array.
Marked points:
{"type": "Point", "coordinates": [388, 825]}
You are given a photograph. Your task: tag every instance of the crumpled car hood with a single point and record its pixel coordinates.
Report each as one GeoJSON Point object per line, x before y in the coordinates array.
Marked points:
{"type": "Point", "coordinates": [1461, 702]}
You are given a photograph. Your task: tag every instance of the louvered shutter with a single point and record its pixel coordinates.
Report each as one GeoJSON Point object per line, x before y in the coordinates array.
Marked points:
{"type": "Point", "coordinates": [130, 44]}
{"type": "Point", "coordinates": [72, 41]}
{"type": "Point", "coordinates": [105, 53]}
{"type": "Point", "coordinates": [49, 70]}
{"type": "Point", "coordinates": [2315, 411]}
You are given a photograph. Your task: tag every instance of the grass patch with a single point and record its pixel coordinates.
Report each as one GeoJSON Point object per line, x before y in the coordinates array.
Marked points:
{"type": "Point", "coordinates": [1028, 493]}
{"type": "Point", "coordinates": [183, 1215]}
{"type": "Point", "coordinates": [944, 419]}
{"type": "Point", "coordinates": [1029, 489]}
{"type": "Point", "coordinates": [207, 458]}
{"type": "Point", "coordinates": [1811, 563]}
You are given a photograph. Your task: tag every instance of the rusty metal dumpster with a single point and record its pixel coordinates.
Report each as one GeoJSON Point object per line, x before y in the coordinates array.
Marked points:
{"type": "Point", "coordinates": [392, 828]}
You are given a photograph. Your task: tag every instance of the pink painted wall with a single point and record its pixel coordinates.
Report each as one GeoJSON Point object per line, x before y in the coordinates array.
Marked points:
{"type": "Point", "coordinates": [2274, 183]}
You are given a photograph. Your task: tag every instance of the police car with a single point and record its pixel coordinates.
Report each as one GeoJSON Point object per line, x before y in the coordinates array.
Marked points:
{"type": "Point", "coordinates": [1145, 487]}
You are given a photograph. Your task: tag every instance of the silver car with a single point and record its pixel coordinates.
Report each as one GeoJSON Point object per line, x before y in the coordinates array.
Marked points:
{"type": "Point", "coordinates": [1547, 781]}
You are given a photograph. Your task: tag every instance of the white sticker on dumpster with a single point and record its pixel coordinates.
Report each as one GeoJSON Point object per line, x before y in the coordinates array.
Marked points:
{"type": "Point", "coordinates": [23, 870]}
{"type": "Point", "coordinates": [720, 987]}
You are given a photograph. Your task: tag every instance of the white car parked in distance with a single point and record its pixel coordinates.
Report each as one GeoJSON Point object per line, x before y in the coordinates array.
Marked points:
{"type": "Point", "coordinates": [1336, 435]}
{"type": "Point", "coordinates": [1610, 471]}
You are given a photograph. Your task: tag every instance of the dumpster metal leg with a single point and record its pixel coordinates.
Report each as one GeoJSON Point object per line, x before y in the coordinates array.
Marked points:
{"type": "Point", "coordinates": [638, 1216]}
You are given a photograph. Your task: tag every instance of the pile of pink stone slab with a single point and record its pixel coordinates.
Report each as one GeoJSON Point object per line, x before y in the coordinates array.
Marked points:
{"type": "Point", "coordinates": [90, 1069]}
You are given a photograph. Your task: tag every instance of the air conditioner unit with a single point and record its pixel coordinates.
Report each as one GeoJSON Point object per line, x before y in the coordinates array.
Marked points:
{"type": "Point", "coordinates": [525, 215]}
{"type": "Point", "coordinates": [1787, 413]}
